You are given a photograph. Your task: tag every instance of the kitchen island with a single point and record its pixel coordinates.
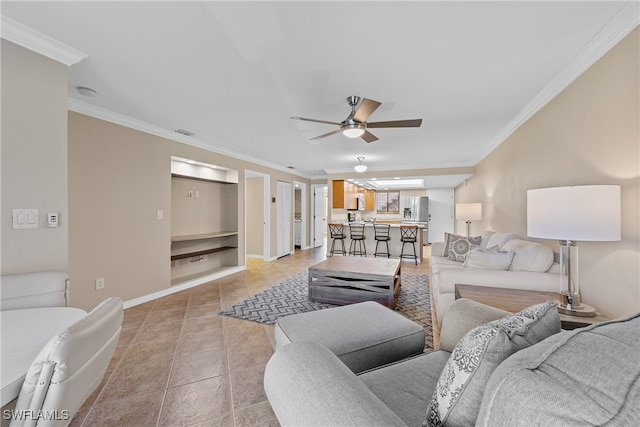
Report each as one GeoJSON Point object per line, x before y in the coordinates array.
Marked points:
{"type": "Point", "coordinates": [395, 244]}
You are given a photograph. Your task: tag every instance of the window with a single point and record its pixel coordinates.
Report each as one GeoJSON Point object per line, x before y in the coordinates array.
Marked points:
{"type": "Point", "coordinates": [388, 201]}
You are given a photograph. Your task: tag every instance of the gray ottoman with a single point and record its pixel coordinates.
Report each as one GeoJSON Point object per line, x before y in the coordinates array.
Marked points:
{"type": "Point", "coordinates": [363, 335]}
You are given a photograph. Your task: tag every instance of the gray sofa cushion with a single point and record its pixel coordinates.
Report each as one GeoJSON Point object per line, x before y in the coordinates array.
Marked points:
{"type": "Point", "coordinates": [464, 315]}
{"type": "Point", "coordinates": [407, 386]}
{"type": "Point", "coordinates": [590, 376]}
{"type": "Point", "coordinates": [307, 385]}
{"type": "Point", "coordinates": [458, 395]}
{"type": "Point", "coordinates": [363, 335]}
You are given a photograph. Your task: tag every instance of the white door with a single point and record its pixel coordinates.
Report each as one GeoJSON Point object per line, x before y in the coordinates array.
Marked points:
{"type": "Point", "coordinates": [319, 215]}
{"type": "Point", "coordinates": [283, 214]}
{"type": "Point", "coordinates": [441, 210]}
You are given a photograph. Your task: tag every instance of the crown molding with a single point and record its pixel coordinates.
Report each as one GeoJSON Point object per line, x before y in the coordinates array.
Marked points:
{"type": "Point", "coordinates": [627, 18]}
{"type": "Point", "coordinates": [30, 39]}
{"type": "Point", "coordinates": [129, 122]}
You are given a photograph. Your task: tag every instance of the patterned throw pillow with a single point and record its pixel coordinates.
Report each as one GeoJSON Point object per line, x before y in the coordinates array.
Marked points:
{"type": "Point", "coordinates": [458, 394]}
{"type": "Point", "coordinates": [457, 247]}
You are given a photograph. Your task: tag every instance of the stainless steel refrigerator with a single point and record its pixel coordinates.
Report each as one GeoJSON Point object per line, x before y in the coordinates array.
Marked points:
{"type": "Point", "coordinates": [415, 210]}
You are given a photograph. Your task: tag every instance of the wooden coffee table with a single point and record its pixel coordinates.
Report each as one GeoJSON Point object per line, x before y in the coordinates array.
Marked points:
{"type": "Point", "coordinates": [515, 300]}
{"type": "Point", "coordinates": [346, 280]}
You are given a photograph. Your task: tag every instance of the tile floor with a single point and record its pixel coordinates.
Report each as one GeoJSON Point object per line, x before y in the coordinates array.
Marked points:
{"type": "Point", "coordinates": [179, 363]}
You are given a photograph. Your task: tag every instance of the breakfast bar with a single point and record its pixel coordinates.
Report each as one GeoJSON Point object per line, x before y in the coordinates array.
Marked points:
{"type": "Point", "coordinates": [395, 244]}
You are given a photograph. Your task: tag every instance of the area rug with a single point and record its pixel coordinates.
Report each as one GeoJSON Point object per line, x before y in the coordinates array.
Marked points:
{"type": "Point", "coordinates": [291, 296]}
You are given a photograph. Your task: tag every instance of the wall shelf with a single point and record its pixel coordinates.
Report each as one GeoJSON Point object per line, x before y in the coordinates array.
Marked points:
{"type": "Point", "coordinates": [203, 236]}
{"type": "Point", "coordinates": [200, 253]}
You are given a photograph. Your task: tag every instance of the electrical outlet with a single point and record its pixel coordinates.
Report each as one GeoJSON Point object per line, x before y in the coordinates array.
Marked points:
{"type": "Point", "coordinates": [99, 283]}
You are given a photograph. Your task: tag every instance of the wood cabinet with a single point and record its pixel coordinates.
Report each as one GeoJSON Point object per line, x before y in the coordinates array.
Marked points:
{"type": "Point", "coordinates": [369, 200]}
{"type": "Point", "coordinates": [345, 195]}
{"type": "Point", "coordinates": [338, 194]}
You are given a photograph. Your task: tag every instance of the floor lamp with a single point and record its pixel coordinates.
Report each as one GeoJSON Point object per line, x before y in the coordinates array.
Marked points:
{"type": "Point", "coordinates": [468, 212]}
{"type": "Point", "coordinates": [572, 214]}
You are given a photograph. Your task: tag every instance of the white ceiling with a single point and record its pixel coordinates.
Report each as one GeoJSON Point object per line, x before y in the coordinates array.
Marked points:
{"type": "Point", "coordinates": [235, 72]}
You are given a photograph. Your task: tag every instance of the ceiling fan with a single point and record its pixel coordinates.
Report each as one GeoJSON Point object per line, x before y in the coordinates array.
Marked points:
{"type": "Point", "coordinates": [356, 124]}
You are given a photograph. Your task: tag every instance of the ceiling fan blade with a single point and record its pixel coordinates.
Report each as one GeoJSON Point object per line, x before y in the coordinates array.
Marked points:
{"type": "Point", "coordinates": [367, 106]}
{"type": "Point", "coordinates": [314, 120]}
{"type": "Point", "coordinates": [396, 124]}
{"type": "Point", "coordinates": [368, 136]}
{"type": "Point", "coordinates": [325, 135]}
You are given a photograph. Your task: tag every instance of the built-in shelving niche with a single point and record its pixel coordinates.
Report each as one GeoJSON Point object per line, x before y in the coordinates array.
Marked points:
{"type": "Point", "coordinates": [204, 220]}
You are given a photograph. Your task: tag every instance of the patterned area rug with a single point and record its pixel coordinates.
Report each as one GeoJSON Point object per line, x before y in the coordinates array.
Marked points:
{"type": "Point", "coordinates": [291, 296]}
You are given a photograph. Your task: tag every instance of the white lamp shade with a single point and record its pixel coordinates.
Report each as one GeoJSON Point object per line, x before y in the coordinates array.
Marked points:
{"type": "Point", "coordinates": [583, 213]}
{"type": "Point", "coordinates": [468, 211]}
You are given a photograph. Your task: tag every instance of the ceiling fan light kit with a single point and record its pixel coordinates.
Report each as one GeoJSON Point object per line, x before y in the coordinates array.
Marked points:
{"type": "Point", "coordinates": [352, 130]}
{"type": "Point", "coordinates": [356, 124]}
{"type": "Point", "coordinates": [360, 167]}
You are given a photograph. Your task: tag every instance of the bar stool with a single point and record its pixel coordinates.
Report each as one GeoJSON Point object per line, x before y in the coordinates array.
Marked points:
{"type": "Point", "coordinates": [357, 246]}
{"type": "Point", "coordinates": [336, 232]}
{"type": "Point", "coordinates": [409, 234]}
{"type": "Point", "coordinates": [381, 234]}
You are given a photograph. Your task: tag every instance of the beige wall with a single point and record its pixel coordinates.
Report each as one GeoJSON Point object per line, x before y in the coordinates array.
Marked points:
{"type": "Point", "coordinates": [34, 159]}
{"type": "Point", "coordinates": [586, 135]}
{"type": "Point", "coordinates": [255, 216]}
{"type": "Point", "coordinates": [118, 179]}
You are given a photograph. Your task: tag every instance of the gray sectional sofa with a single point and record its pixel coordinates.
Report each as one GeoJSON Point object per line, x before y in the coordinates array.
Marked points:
{"type": "Point", "coordinates": [530, 373]}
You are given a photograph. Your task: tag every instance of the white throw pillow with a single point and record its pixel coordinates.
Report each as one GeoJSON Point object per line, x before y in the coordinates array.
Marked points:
{"type": "Point", "coordinates": [489, 258]}
{"type": "Point", "coordinates": [500, 239]}
{"type": "Point", "coordinates": [529, 256]}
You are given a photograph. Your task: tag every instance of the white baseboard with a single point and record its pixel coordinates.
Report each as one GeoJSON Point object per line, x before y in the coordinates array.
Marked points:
{"type": "Point", "coordinates": [181, 287]}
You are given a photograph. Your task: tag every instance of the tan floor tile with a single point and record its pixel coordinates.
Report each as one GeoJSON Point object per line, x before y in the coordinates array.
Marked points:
{"type": "Point", "coordinates": [224, 421]}
{"type": "Point", "coordinates": [196, 402]}
{"type": "Point", "coordinates": [200, 341]}
{"type": "Point", "coordinates": [190, 368]}
{"type": "Point", "coordinates": [167, 331]}
{"type": "Point", "coordinates": [144, 352]}
{"type": "Point", "coordinates": [202, 310]}
{"type": "Point", "coordinates": [141, 410]}
{"type": "Point", "coordinates": [247, 387]}
{"type": "Point", "coordinates": [172, 314]}
{"type": "Point", "coordinates": [238, 331]}
{"type": "Point", "coordinates": [200, 324]}
{"type": "Point", "coordinates": [252, 353]}
{"type": "Point", "coordinates": [260, 415]}
{"type": "Point", "coordinates": [135, 379]}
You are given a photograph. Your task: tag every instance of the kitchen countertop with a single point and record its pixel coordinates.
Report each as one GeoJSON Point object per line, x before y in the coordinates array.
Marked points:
{"type": "Point", "coordinates": [392, 224]}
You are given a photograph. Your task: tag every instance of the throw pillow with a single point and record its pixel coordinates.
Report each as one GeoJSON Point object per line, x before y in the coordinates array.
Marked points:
{"type": "Point", "coordinates": [458, 394]}
{"type": "Point", "coordinates": [529, 256]}
{"type": "Point", "coordinates": [489, 258]}
{"type": "Point", "coordinates": [457, 246]}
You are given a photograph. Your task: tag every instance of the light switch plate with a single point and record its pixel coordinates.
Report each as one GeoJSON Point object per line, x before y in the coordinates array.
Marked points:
{"type": "Point", "coordinates": [25, 218]}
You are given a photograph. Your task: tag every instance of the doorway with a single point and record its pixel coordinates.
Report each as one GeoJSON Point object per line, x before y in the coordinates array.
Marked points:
{"type": "Point", "coordinates": [319, 218]}
{"type": "Point", "coordinates": [283, 216]}
{"type": "Point", "coordinates": [256, 215]}
{"type": "Point", "coordinates": [300, 215]}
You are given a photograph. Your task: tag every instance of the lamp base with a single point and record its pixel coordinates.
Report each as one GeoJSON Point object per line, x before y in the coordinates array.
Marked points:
{"type": "Point", "coordinates": [570, 304]}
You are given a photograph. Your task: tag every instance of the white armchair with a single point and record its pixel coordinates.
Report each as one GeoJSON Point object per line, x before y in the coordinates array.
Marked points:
{"type": "Point", "coordinates": [69, 368]}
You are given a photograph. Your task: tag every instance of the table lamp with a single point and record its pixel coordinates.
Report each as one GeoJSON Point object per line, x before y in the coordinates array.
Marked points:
{"type": "Point", "coordinates": [468, 212]}
{"type": "Point", "coordinates": [571, 214]}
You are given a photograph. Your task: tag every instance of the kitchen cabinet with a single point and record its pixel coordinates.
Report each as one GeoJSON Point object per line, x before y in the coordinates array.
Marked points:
{"type": "Point", "coordinates": [338, 194]}
{"type": "Point", "coordinates": [369, 200]}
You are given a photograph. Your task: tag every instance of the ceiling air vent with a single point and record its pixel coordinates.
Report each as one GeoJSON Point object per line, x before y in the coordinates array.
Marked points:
{"type": "Point", "coordinates": [184, 132]}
